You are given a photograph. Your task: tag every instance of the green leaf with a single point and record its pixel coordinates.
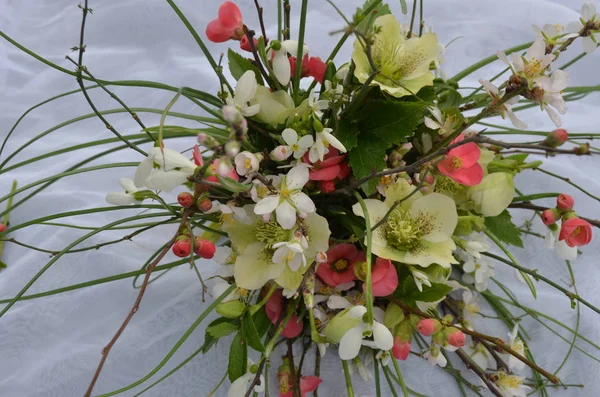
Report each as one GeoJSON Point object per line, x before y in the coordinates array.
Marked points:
{"type": "Point", "coordinates": [222, 329]}
{"type": "Point", "coordinates": [347, 132]}
{"type": "Point", "coordinates": [519, 158]}
{"type": "Point", "coordinates": [366, 157]}
{"type": "Point", "coordinates": [431, 294]}
{"type": "Point", "coordinates": [233, 186]}
{"type": "Point", "coordinates": [391, 121]}
{"type": "Point", "coordinates": [503, 227]}
{"type": "Point", "coordinates": [238, 357]}
{"type": "Point", "coordinates": [364, 21]}
{"type": "Point", "coordinates": [251, 333]}
{"type": "Point", "coordinates": [238, 65]}
{"type": "Point", "coordinates": [209, 340]}
{"type": "Point", "coordinates": [261, 322]}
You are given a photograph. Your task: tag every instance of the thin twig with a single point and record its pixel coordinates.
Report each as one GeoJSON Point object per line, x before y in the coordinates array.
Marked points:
{"type": "Point", "coordinates": [295, 378]}
{"type": "Point", "coordinates": [482, 375]}
{"type": "Point", "coordinates": [136, 304]}
{"type": "Point", "coordinates": [259, 10]}
{"type": "Point", "coordinates": [250, 35]}
{"type": "Point", "coordinates": [529, 206]}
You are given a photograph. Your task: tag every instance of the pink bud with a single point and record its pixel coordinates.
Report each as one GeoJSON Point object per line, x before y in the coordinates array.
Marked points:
{"type": "Point", "coordinates": [401, 349]}
{"type": "Point", "coordinates": [198, 156]}
{"type": "Point", "coordinates": [426, 326]}
{"type": "Point", "coordinates": [280, 153]}
{"type": "Point", "coordinates": [204, 248]}
{"type": "Point", "coordinates": [266, 218]}
{"type": "Point", "coordinates": [321, 257]}
{"type": "Point", "coordinates": [245, 44]}
{"type": "Point", "coordinates": [557, 137]}
{"type": "Point", "coordinates": [457, 338]}
{"type": "Point", "coordinates": [202, 137]}
{"type": "Point", "coordinates": [182, 248]}
{"type": "Point", "coordinates": [185, 199]}
{"type": "Point", "coordinates": [564, 202]}
{"type": "Point", "coordinates": [549, 217]}
{"type": "Point", "coordinates": [204, 204]}
{"type": "Point", "coordinates": [231, 114]}
{"type": "Point", "coordinates": [2, 227]}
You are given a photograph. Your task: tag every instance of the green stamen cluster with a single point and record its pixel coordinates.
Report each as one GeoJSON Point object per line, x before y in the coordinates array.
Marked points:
{"type": "Point", "coordinates": [271, 233]}
{"type": "Point", "coordinates": [404, 230]}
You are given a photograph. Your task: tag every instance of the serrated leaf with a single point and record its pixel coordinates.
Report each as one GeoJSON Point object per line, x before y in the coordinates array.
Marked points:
{"type": "Point", "coordinates": [233, 186]}
{"type": "Point", "coordinates": [366, 20]}
{"type": "Point", "coordinates": [251, 334]}
{"type": "Point", "coordinates": [222, 329]}
{"type": "Point", "coordinates": [262, 322]}
{"type": "Point", "coordinates": [238, 358]}
{"type": "Point", "coordinates": [434, 293]}
{"type": "Point", "coordinates": [347, 133]}
{"type": "Point", "coordinates": [391, 121]}
{"type": "Point", "coordinates": [368, 156]}
{"type": "Point", "coordinates": [503, 227]}
{"type": "Point", "coordinates": [209, 340]}
{"type": "Point", "coordinates": [238, 65]}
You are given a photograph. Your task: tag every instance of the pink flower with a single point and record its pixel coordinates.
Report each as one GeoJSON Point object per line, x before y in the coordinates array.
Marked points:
{"type": "Point", "coordinates": [557, 137]}
{"type": "Point", "coordinates": [212, 176]}
{"type": "Point", "coordinates": [401, 349]}
{"type": "Point", "coordinates": [461, 163]}
{"type": "Point", "coordinates": [456, 338]}
{"type": "Point", "coordinates": [564, 202]}
{"type": "Point", "coordinates": [576, 232]}
{"type": "Point", "coordinates": [245, 44]}
{"type": "Point", "coordinates": [549, 216]}
{"type": "Point", "coordinates": [311, 67]}
{"type": "Point", "coordinates": [185, 199]}
{"type": "Point", "coordinates": [332, 167]}
{"type": "Point", "coordinates": [384, 277]}
{"type": "Point", "coordinates": [426, 326]}
{"type": "Point", "coordinates": [307, 384]}
{"type": "Point", "coordinates": [273, 309]}
{"type": "Point", "coordinates": [228, 25]}
{"type": "Point", "coordinates": [339, 268]}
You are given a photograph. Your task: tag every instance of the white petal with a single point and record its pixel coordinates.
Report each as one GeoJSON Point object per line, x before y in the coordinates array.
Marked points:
{"type": "Point", "coordinates": [333, 141]}
{"type": "Point", "coordinates": [502, 56]}
{"type": "Point", "coordinates": [143, 171]}
{"type": "Point", "coordinates": [313, 154]}
{"type": "Point", "coordinates": [442, 211]}
{"type": "Point", "coordinates": [266, 205]}
{"type": "Point", "coordinates": [128, 185]}
{"type": "Point", "coordinates": [431, 124]}
{"type": "Point", "coordinates": [250, 111]}
{"type": "Point", "coordinates": [564, 251]}
{"type": "Point", "coordinates": [553, 116]}
{"type": "Point", "coordinates": [290, 136]}
{"type": "Point", "coordinates": [560, 80]}
{"type": "Point", "coordinates": [351, 342]}
{"type": "Point", "coordinates": [245, 88]}
{"type": "Point", "coordinates": [297, 177]}
{"type": "Point", "coordinates": [281, 67]}
{"type": "Point", "coordinates": [286, 215]}
{"type": "Point", "coordinates": [588, 11]}
{"type": "Point", "coordinates": [382, 336]}
{"type": "Point", "coordinates": [589, 45]}
{"type": "Point", "coordinates": [574, 27]}
{"type": "Point", "coordinates": [119, 198]}
{"type": "Point", "coordinates": [516, 122]}
{"type": "Point", "coordinates": [337, 302]}
{"type": "Point", "coordinates": [303, 203]}
{"type": "Point", "coordinates": [170, 159]}
{"type": "Point", "coordinates": [291, 46]}
{"type": "Point", "coordinates": [239, 387]}
{"type": "Point", "coordinates": [167, 181]}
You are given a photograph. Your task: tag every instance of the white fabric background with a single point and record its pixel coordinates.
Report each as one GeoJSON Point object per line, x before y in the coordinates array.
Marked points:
{"type": "Point", "coordinates": [50, 347]}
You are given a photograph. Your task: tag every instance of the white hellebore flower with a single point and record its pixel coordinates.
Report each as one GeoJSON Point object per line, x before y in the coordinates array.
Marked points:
{"type": "Point", "coordinates": [531, 66]}
{"type": "Point", "coordinates": [119, 198]}
{"type": "Point", "coordinates": [506, 108]}
{"type": "Point", "coordinates": [173, 170]}
{"type": "Point", "coordinates": [354, 329]}
{"type": "Point", "coordinates": [281, 63]}
{"type": "Point", "coordinates": [560, 247]}
{"type": "Point", "coordinates": [511, 385]}
{"type": "Point", "coordinates": [246, 162]}
{"type": "Point", "coordinates": [588, 14]}
{"type": "Point", "coordinates": [553, 87]}
{"type": "Point", "coordinates": [289, 198]}
{"type": "Point", "coordinates": [517, 345]}
{"type": "Point", "coordinates": [321, 145]}
{"type": "Point", "coordinates": [244, 93]}
{"type": "Point", "coordinates": [295, 146]}
{"type": "Point", "coordinates": [435, 357]}
{"type": "Point", "coordinates": [493, 194]}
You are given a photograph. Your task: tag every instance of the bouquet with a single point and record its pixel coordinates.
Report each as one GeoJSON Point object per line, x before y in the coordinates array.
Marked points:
{"type": "Point", "coordinates": [358, 207]}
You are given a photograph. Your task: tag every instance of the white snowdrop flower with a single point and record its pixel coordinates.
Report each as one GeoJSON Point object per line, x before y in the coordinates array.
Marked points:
{"type": "Point", "coordinates": [518, 346]}
{"type": "Point", "coordinates": [245, 90]}
{"type": "Point", "coordinates": [353, 339]}
{"type": "Point", "coordinates": [588, 14]}
{"type": "Point", "coordinates": [480, 355]}
{"type": "Point", "coordinates": [506, 108]}
{"type": "Point", "coordinates": [553, 87]}
{"type": "Point", "coordinates": [124, 198]}
{"type": "Point", "coordinates": [289, 198]}
{"type": "Point", "coordinates": [322, 142]}
{"type": "Point", "coordinates": [246, 162]}
{"type": "Point", "coordinates": [317, 105]}
{"type": "Point", "coordinates": [230, 212]}
{"type": "Point", "coordinates": [421, 278]}
{"type": "Point", "coordinates": [342, 71]}
{"type": "Point", "coordinates": [560, 247]}
{"type": "Point", "coordinates": [281, 63]}
{"type": "Point", "coordinates": [173, 170]}
{"type": "Point", "coordinates": [295, 146]}
{"type": "Point", "coordinates": [435, 357]}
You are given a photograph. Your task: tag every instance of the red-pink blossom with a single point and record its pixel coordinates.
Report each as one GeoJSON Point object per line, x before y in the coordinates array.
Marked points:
{"type": "Point", "coordinates": [384, 277]}
{"type": "Point", "coordinates": [204, 248]}
{"type": "Point", "coordinates": [185, 199]}
{"type": "Point", "coordinates": [331, 168]}
{"type": "Point", "coordinates": [182, 248]}
{"type": "Point", "coordinates": [307, 385]}
{"type": "Point", "coordinates": [227, 26]}
{"type": "Point", "coordinates": [575, 232]}
{"type": "Point", "coordinates": [456, 338]}
{"type": "Point", "coordinates": [2, 227]}
{"type": "Point", "coordinates": [564, 202]}
{"type": "Point", "coordinates": [426, 326]}
{"type": "Point", "coordinates": [273, 309]}
{"type": "Point", "coordinates": [311, 67]}
{"type": "Point", "coordinates": [461, 163]}
{"type": "Point", "coordinates": [401, 349]}
{"type": "Point", "coordinates": [198, 156]}
{"type": "Point", "coordinates": [549, 217]}
{"type": "Point", "coordinates": [245, 43]}
{"type": "Point", "coordinates": [339, 268]}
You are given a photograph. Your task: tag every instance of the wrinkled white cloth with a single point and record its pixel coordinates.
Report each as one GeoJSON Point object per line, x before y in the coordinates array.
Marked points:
{"type": "Point", "coordinates": [50, 347]}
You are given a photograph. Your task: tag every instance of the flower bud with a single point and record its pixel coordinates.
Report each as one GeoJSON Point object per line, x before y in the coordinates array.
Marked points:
{"type": "Point", "coordinates": [182, 248]}
{"type": "Point", "coordinates": [280, 153]}
{"type": "Point", "coordinates": [564, 202]}
{"type": "Point", "coordinates": [360, 270]}
{"type": "Point", "coordinates": [584, 148]}
{"type": "Point", "coordinates": [202, 137]}
{"type": "Point", "coordinates": [276, 45]}
{"type": "Point", "coordinates": [245, 43]}
{"type": "Point", "coordinates": [232, 148]}
{"type": "Point", "coordinates": [231, 114]}
{"type": "Point", "coordinates": [456, 337]}
{"type": "Point", "coordinates": [556, 137]}
{"type": "Point", "coordinates": [550, 216]}
{"type": "Point", "coordinates": [428, 326]}
{"type": "Point", "coordinates": [198, 160]}
{"type": "Point", "coordinates": [231, 309]}
{"type": "Point", "coordinates": [401, 349]}
{"type": "Point", "coordinates": [321, 257]}
{"type": "Point", "coordinates": [2, 227]}
{"type": "Point", "coordinates": [327, 186]}
{"type": "Point", "coordinates": [204, 248]}
{"type": "Point", "coordinates": [185, 199]}
{"type": "Point", "coordinates": [204, 204]}
{"type": "Point", "coordinates": [224, 167]}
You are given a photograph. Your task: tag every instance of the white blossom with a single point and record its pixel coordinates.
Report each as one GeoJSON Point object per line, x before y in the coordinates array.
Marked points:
{"type": "Point", "coordinates": [245, 90]}
{"type": "Point", "coordinates": [478, 272]}
{"type": "Point", "coordinates": [588, 14]}
{"type": "Point", "coordinates": [353, 338]}
{"type": "Point", "coordinates": [230, 211]}
{"type": "Point", "coordinates": [294, 146]}
{"type": "Point", "coordinates": [560, 247]}
{"type": "Point", "coordinates": [291, 252]}
{"type": "Point", "coordinates": [126, 198]}
{"type": "Point", "coordinates": [173, 170]}
{"type": "Point", "coordinates": [506, 108]}
{"type": "Point", "coordinates": [281, 63]}
{"type": "Point", "coordinates": [246, 162]}
{"type": "Point", "coordinates": [320, 148]}
{"type": "Point", "coordinates": [435, 357]}
{"type": "Point", "coordinates": [317, 105]}
{"type": "Point", "coordinates": [518, 346]}
{"type": "Point", "coordinates": [531, 66]}
{"type": "Point", "coordinates": [553, 87]}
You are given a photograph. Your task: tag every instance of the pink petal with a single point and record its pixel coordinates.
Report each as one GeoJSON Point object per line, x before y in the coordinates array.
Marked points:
{"type": "Point", "coordinates": [309, 383]}
{"type": "Point", "coordinates": [445, 166]}
{"type": "Point", "coordinates": [334, 160]}
{"type": "Point", "coordinates": [468, 176]}
{"type": "Point", "coordinates": [293, 327]}
{"type": "Point", "coordinates": [325, 174]}
{"type": "Point", "coordinates": [469, 153]}
{"type": "Point", "coordinates": [344, 171]}
{"type": "Point", "coordinates": [216, 32]}
{"type": "Point", "coordinates": [401, 349]}
{"type": "Point", "coordinates": [384, 278]}
{"type": "Point", "coordinates": [343, 277]}
{"type": "Point", "coordinates": [230, 15]}
{"type": "Point", "coordinates": [274, 306]}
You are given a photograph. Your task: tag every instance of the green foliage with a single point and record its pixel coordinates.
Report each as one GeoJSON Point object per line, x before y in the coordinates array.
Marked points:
{"type": "Point", "coordinates": [238, 357]}
{"type": "Point", "coordinates": [261, 322]}
{"type": "Point", "coordinates": [410, 294]}
{"type": "Point", "coordinates": [216, 327]}
{"type": "Point", "coordinates": [503, 227]}
{"type": "Point", "coordinates": [368, 156]}
{"type": "Point", "coordinates": [233, 186]}
{"type": "Point", "coordinates": [347, 132]}
{"type": "Point", "coordinates": [221, 329]}
{"type": "Point", "coordinates": [251, 333]}
{"type": "Point", "coordinates": [238, 65]}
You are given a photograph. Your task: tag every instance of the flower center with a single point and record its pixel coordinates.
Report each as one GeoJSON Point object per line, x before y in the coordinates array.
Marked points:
{"type": "Point", "coordinates": [247, 163]}
{"type": "Point", "coordinates": [559, 28]}
{"type": "Point", "coordinates": [404, 229]}
{"type": "Point", "coordinates": [385, 180]}
{"type": "Point", "coordinates": [271, 233]}
{"type": "Point", "coordinates": [456, 162]}
{"type": "Point", "coordinates": [340, 265]}
{"type": "Point", "coordinates": [295, 147]}
{"type": "Point", "coordinates": [576, 231]}
{"type": "Point", "coordinates": [533, 67]}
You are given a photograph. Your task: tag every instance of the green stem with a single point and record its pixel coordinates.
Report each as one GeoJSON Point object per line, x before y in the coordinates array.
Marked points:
{"type": "Point", "coordinates": [572, 61]}
{"type": "Point", "coordinates": [349, 387]}
{"type": "Point", "coordinates": [376, 374]}
{"type": "Point", "coordinates": [400, 378]}
{"type": "Point", "coordinates": [567, 180]}
{"type": "Point", "coordinates": [299, 54]}
{"type": "Point", "coordinates": [530, 197]}
{"type": "Point", "coordinates": [386, 373]}
{"type": "Point", "coordinates": [6, 219]}
{"type": "Point", "coordinates": [412, 18]}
